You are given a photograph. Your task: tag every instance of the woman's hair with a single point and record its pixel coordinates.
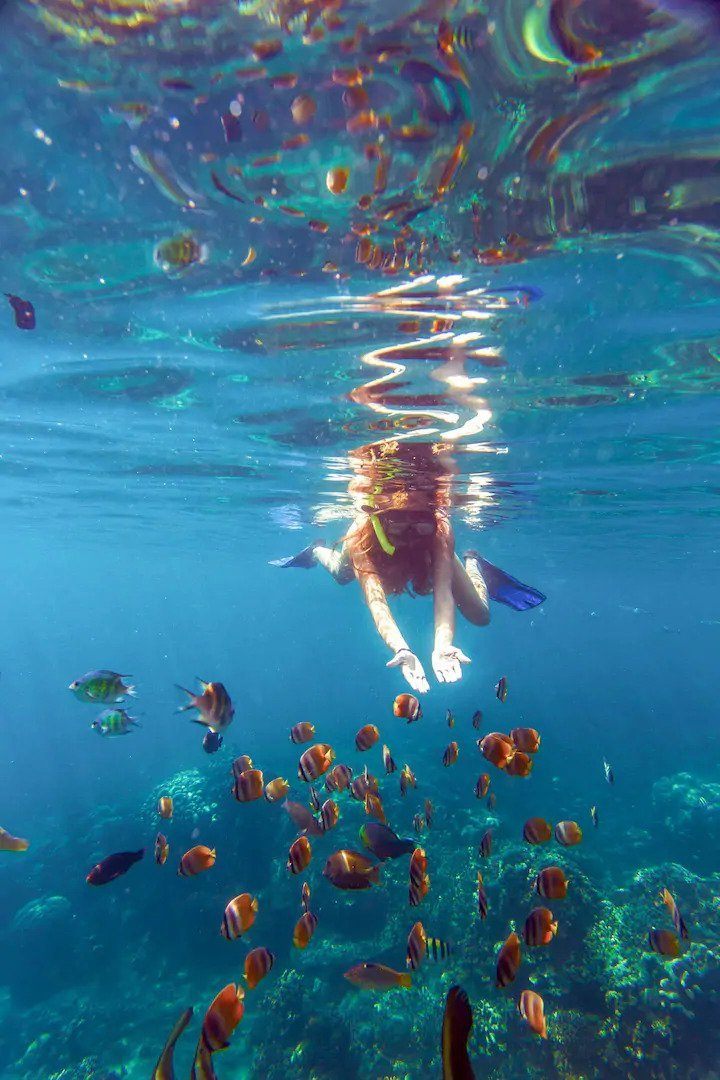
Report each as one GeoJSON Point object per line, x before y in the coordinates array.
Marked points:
{"type": "Point", "coordinates": [398, 480]}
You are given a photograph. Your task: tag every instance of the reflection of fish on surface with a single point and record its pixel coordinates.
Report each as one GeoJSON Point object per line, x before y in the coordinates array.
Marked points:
{"type": "Point", "coordinates": [23, 312]}
{"type": "Point", "coordinates": [177, 253]}
{"type": "Point", "coordinates": [158, 168]}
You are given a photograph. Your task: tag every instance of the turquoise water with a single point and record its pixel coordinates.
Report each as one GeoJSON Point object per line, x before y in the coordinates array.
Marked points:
{"type": "Point", "coordinates": [551, 318]}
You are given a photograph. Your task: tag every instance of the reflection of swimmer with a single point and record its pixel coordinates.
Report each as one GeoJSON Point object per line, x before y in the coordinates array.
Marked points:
{"type": "Point", "coordinates": [401, 539]}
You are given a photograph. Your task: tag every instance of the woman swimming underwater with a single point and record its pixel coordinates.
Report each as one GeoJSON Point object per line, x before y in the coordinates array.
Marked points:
{"type": "Point", "coordinates": [401, 539]}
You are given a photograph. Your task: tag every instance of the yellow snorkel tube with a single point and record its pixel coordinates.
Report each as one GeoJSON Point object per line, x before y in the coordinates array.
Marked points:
{"type": "Point", "coordinates": [382, 536]}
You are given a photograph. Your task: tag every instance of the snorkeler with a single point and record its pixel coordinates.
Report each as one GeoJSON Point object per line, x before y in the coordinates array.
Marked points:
{"type": "Point", "coordinates": [401, 539]}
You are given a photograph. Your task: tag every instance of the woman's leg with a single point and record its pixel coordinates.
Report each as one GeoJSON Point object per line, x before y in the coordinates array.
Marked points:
{"type": "Point", "coordinates": [470, 591]}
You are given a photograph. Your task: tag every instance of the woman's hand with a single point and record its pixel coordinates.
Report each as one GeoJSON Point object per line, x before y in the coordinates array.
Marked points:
{"type": "Point", "coordinates": [412, 669]}
{"type": "Point", "coordinates": [446, 661]}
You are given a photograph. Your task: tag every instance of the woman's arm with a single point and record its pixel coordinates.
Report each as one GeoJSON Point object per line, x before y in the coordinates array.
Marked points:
{"type": "Point", "coordinates": [376, 600]}
{"type": "Point", "coordinates": [389, 631]}
{"type": "Point", "coordinates": [446, 657]}
{"type": "Point", "coordinates": [444, 602]}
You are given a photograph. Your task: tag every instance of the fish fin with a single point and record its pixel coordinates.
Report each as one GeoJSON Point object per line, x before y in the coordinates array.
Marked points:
{"type": "Point", "coordinates": [204, 682]}
{"type": "Point", "coordinates": [130, 691]}
{"type": "Point", "coordinates": [190, 694]}
{"type": "Point", "coordinates": [406, 980]}
{"type": "Point", "coordinates": [374, 875]}
{"type": "Point", "coordinates": [202, 723]}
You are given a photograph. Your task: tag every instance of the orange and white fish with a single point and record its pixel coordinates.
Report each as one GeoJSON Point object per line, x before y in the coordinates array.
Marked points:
{"type": "Point", "coordinates": [196, 861]}
{"type": "Point", "coordinates": [239, 916]}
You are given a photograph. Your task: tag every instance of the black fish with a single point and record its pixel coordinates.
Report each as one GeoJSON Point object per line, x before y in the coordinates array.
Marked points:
{"type": "Point", "coordinates": [477, 719]}
{"type": "Point", "coordinates": [486, 844]}
{"type": "Point", "coordinates": [212, 742]}
{"type": "Point", "coordinates": [383, 842]}
{"type": "Point", "coordinates": [24, 312]}
{"type": "Point", "coordinates": [113, 867]}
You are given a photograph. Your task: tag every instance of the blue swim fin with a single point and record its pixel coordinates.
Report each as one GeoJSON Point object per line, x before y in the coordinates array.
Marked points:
{"type": "Point", "coordinates": [505, 589]}
{"type": "Point", "coordinates": [304, 560]}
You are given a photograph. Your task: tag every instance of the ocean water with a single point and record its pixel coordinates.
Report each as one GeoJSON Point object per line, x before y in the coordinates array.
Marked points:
{"type": "Point", "coordinates": [531, 288]}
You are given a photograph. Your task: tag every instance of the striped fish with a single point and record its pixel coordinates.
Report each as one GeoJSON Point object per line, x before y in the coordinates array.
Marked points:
{"type": "Point", "coordinates": [222, 1017]}
{"type": "Point", "coordinates": [540, 927]}
{"type": "Point", "coordinates": [416, 946]}
{"type": "Point", "coordinates": [508, 961]}
{"type": "Point", "coordinates": [299, 855]}
{"type": "Point", "coordinates": [678, 922]}
{"type": "Point", "coordinates": [304, 930]}
{"type": "Point", "coordinates": [419, 880]}
{"type": "Point", "coordinates": [436, 949]}
{"type": "Point", "coordinates": [482, 898]}
{"type": "Point", "coordinates": [315, 761]}
{"type": "Point", "coordinates": [388, 761]}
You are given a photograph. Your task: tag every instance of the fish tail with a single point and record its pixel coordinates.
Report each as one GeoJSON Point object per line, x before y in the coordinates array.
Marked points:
{"type": "Point", "coordinates": [131, 691]}
{"type": "Point", "coordinates": [406, 980]}
{"type": "Point", "coordinates": [190, 694]}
